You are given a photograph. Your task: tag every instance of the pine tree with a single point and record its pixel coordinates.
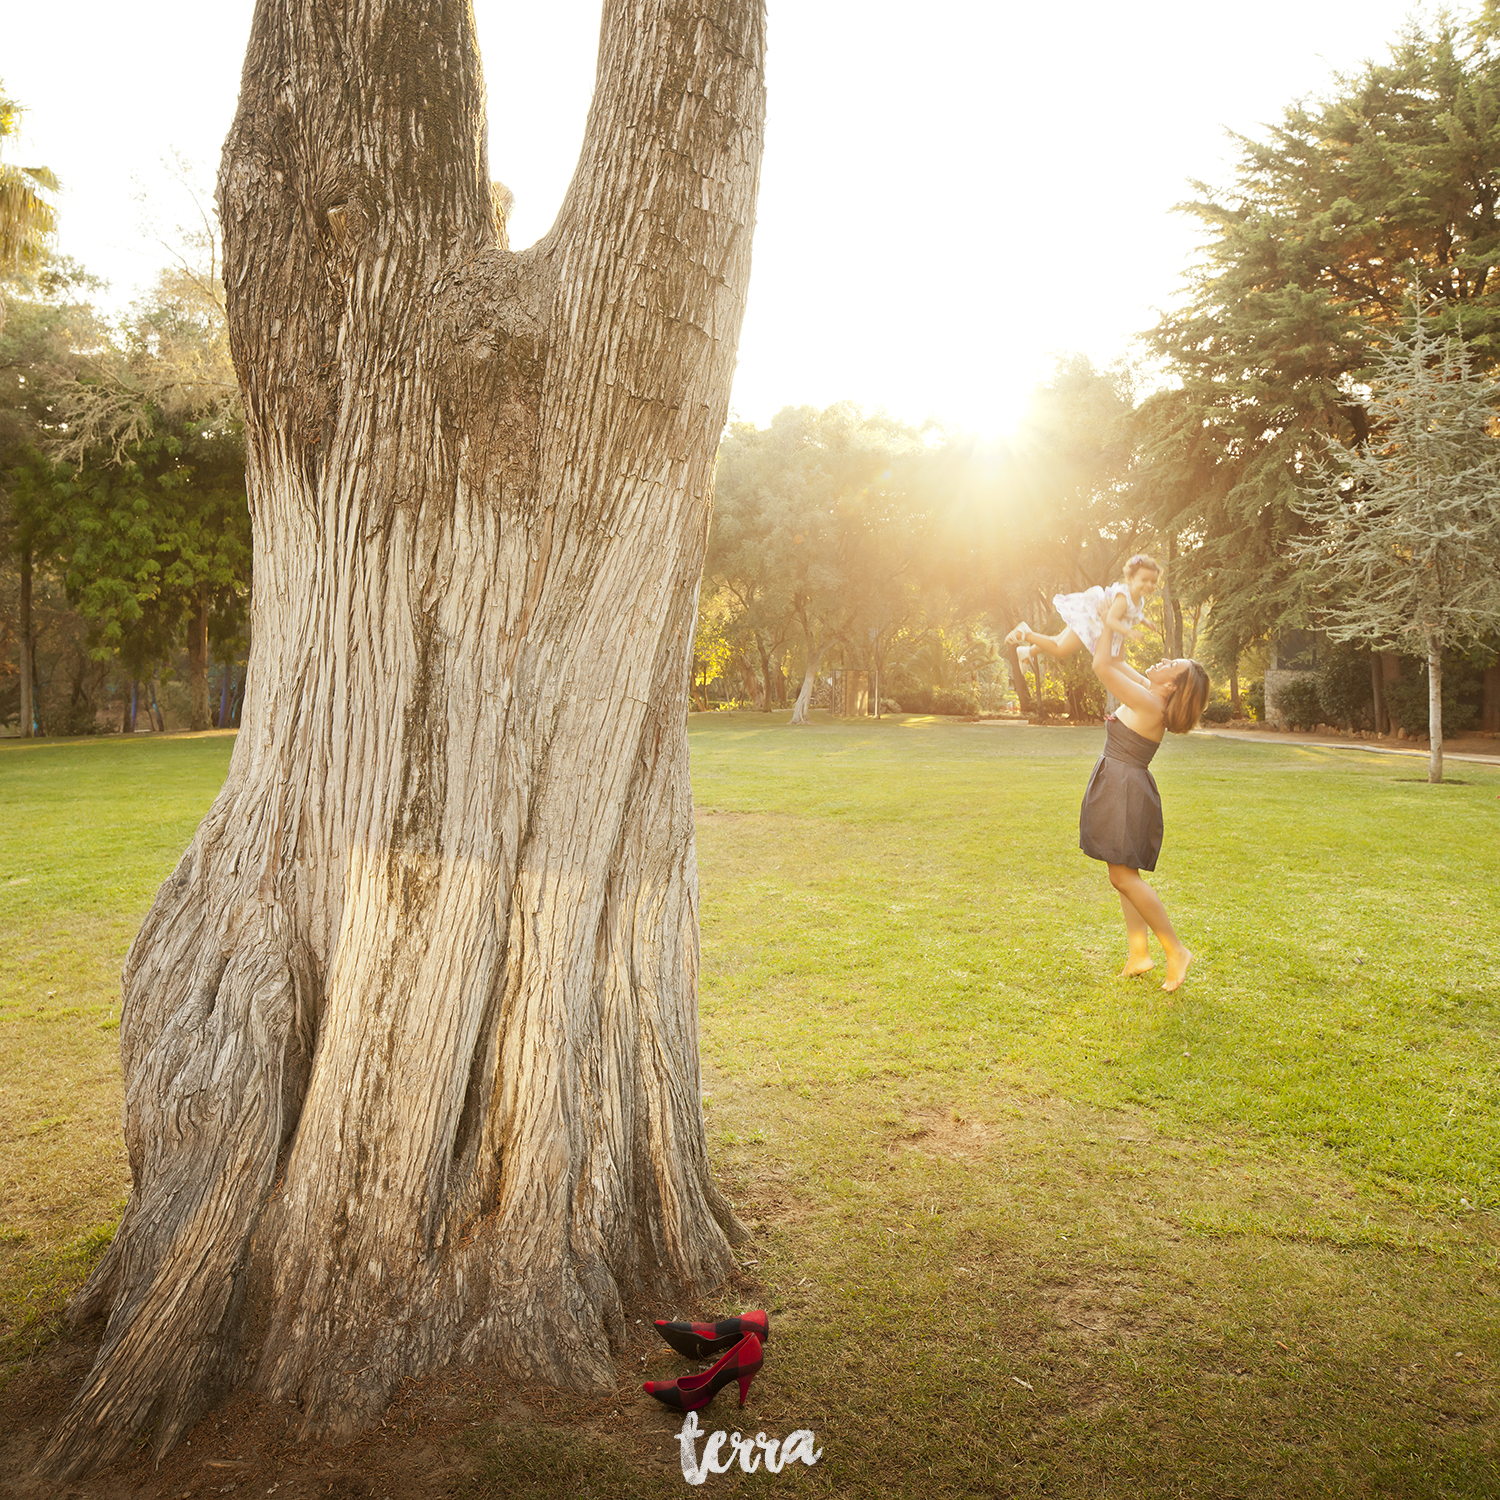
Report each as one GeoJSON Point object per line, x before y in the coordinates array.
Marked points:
{"type": "Point", "coordinates": [1329, 223]}
{"type": "Point", "coordinates": [1405, 526]}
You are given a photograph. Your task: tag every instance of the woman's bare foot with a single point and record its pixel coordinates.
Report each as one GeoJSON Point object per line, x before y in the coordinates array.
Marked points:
{"type": "Point", "coordinates": [1135, 966]}
{"type": "Point", "coordinates": [1177, 967]}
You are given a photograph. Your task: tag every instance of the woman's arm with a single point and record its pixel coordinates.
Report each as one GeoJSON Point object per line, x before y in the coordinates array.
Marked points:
{"type": "Point", "coordinates": [1128, 685]}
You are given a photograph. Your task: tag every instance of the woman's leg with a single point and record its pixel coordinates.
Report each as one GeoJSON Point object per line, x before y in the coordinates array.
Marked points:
{"type": "Point", "coordinates": [1055, 645]}
{"type": "Point", "coordinates": [1136, 931]}
{"type": "Point", "coordinates": [1148, 907]}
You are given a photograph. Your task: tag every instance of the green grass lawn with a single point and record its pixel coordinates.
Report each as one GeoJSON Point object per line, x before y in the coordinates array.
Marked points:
{"type": "Point", "coordinates": [1025, 1228]}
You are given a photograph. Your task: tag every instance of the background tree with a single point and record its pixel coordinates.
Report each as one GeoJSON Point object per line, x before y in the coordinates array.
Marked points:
{"type": "Point", "coordinates": [1407, 531]}
{"type": "Point", "coordinates": [27, 220]}
{"type": "Point", "coordinates": [427, 972]}
{"type": "Point", "coordinates": [51, 331]}
{"type": "Point", "coordinates": [1309, 256]}
{"type": "Point", "coordinates": [163, 401]}
{"type": "Point", "coordinates": [817, 533]}
{"type": "Point", "coordinates": [758, 483]}
{"type": "Point", "coordinates": [1050, 510]}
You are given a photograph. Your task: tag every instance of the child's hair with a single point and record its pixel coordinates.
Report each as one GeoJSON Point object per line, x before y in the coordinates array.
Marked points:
{"type": "Point", "coordinates": [1185, 706]}
{"type": "Point", "coordinates": [1139, 561]}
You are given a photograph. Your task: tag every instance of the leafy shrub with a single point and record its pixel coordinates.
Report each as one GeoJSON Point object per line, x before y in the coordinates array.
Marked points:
{"type": "Point", "coordinates": [1406, 697]}
{"type": "Point", "coordinates": [1253, 696]}
{"type": "Point", "coordinates": [954, 701]}
{"type": "Point", "coordinates": [1345, 694]}
{"type": "Point", "coordinates": [80, 718]}
{"type": "Point", "coordinates": [914, 700]}
{"type": "Point", "coordinates": [1218, 711]}
{"type": "Point", "coordinates": [1081, 688]}
{"type": "Point", "coordinates": [1298, 701]}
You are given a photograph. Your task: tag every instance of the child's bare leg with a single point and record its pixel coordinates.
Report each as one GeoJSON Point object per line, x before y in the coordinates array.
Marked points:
{"type": "Point", "coordinates": [1147, 903]}
{"type": "Point", "coordinates": [1136, 931]}
{"type": "Point", "coordinates": [1055, 645]}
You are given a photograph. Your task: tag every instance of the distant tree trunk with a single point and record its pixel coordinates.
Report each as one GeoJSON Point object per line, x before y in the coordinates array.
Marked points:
{"type": "Point", "coordinates": [1171, 609]}
{"type": "Point", "coordinates": [410, 1037]}
{"type": "Point", "coordinates": [224, 699]}
{"type": "Point", "coordinates": [809, 677]}
{"type": "Point", "coordinates": [27, 663]}
{"type": "Point", "coordinates": [197, 644]}
{"type": "Point", "coordinates": [1018, 678]}
{"type": "Point", "coordinates": [158, 719]}
{"type": "Point", "coordinates": [1377, 693]}
{"type": "Point", "coordinates": [765, 672]}
{"type": "Point", "coordinates": [1435, 707]}
{"type": "Point", "coordinates": [1490, 719]}
{"type": "Point", "coordinates": [1390, 671]}
{"type": "Point", "coordinates": [1235, 712]}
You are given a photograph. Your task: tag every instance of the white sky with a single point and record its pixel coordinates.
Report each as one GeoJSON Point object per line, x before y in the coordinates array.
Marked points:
{"type": "Point", "coordinates": [953, 190]}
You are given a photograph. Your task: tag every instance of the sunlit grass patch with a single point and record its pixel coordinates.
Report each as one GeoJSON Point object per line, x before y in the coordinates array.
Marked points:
{"type": "Point", "coordinates": [91, 828]}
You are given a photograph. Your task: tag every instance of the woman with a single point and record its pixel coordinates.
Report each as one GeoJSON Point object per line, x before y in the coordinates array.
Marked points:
{"type": "Point", "coordinates": [1120, 821]}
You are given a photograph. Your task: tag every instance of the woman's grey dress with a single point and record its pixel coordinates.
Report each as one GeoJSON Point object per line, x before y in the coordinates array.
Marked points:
{"type": "Point", "coordinates": [1120, 820]}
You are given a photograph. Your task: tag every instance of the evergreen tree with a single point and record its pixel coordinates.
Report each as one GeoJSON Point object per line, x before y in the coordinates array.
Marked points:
{"type": "Point", "coordinates": [1327, 227]}
{"type": "Point", "coordinates": [1405, 527]}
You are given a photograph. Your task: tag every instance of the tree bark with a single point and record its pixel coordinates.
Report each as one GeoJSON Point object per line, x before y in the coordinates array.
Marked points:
{"type": "Point", "coordinates": [410, 1036]}
{"type": "Point", "coordinates": [809, 677]}
{"type": "Point", "coordinates": [1234, 692]}
{"type": "Point", "coordinates": [1018, 678]}
{"type": "Point", "coordinates": [1490, 719]}
{"type": "Point", "coordinates": [1171, 609]}
{"type": "Point", "coordinates": [27, 649]}
{"type": "Point", "coordinates": [765, 672]}
{"type": "Point", "coordinates": [197, 644]}
{"type": "Point", "coordinates": [1435, 707]}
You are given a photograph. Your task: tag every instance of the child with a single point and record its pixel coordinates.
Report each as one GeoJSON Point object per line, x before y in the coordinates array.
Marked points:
{"type": "Point", "coordinates": [1119, 608]}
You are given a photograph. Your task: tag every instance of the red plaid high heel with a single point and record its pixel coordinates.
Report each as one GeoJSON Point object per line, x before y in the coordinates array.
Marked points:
{"type": "Point", "coordinates": [690, 1392]}
{"type": "Point", "coordinates": [705, 1340]}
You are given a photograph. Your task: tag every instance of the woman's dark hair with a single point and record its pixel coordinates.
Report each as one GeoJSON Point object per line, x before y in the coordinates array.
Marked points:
{"type": "Point", "coordinates": [1139, 561]}
{"type": "Point", "coordinates": [1185, 706]}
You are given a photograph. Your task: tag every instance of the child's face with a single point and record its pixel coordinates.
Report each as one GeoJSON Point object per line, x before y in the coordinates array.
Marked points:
{"type": "Point", "coordinates": [1142, 584]}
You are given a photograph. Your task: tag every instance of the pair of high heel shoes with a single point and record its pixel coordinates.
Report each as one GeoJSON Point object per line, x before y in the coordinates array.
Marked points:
{"type": "Point", "coordinates": [741, 1337]}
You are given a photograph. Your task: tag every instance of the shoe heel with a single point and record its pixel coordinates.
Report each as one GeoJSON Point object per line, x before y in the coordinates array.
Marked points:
{"type": "Point", "coordinates": [744, 1383]}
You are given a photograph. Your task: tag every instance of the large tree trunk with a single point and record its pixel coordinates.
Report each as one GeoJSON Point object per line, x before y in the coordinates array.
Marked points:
{"type": "Point", "coordinates": [410, 1036]}
{"type": "Point", "coordinates": [1490, 720]}
{"type": "Point", "coordinates": [27, 648]}
{"type": "Point", "coordinates": [1435, 707]}
{"type": "Point", "coordinates": [197, 644]}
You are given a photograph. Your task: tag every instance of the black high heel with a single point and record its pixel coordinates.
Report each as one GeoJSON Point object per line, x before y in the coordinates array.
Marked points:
{"type": "Point", "coordinates": [690, 1392]}
{"type": "Point", "coordinates": [706, 1340]}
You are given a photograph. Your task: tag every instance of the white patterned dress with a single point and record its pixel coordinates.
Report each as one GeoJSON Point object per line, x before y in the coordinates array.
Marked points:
{"type": "Point", "coordinates": [1085, 612]}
